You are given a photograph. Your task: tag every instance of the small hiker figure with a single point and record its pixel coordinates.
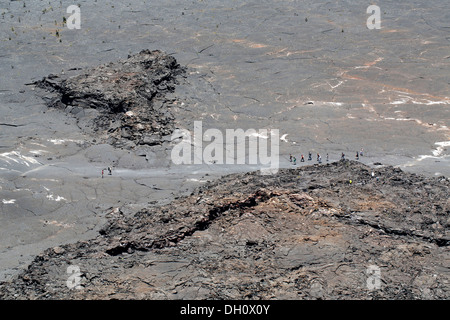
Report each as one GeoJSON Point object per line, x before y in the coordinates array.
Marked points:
{"type": "Point", "coordinates": [290, 157]}
{"type": "Point", "coordinates": [361, 152]}
{"type": "Point", "coordinates": [327, 157]}
{"type": "Point", "coordinates": [319, 159]}
{"type": "Point", "coordinates": [302, 159]}
{"type": "Point", "coordinates": [102, 173]}
{"type": "Point", "coordinates": [342, 156]}
{"type": "Point", "coordinates": [357, 155]}
{"type": "Point", "coordinates": [109, 170]}
{"type": "Point", "coordinates": [309, 156]}
{"type": "Point", "coordinates": [295, 161]}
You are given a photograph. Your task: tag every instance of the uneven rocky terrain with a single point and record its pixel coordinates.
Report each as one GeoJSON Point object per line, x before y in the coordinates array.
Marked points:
{"type": "Point", "coordinates": [136, 71]}
{"type": "Point", "coordinates": [306, 233]}
{"type": "Point", "coordinates": [124, 101]}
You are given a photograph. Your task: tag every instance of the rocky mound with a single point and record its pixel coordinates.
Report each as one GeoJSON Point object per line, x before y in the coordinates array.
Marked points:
{"type": "Point", "coordinates": [124, 102]}
{"type": "Point", "coordinates": [316, 232]}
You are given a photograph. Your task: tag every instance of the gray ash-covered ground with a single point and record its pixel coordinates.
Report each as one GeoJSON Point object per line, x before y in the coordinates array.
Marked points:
{"type": "Point", "coordinates": [124, 102]}
{"type": "Point", "coordinates": [311, 69]}
{"type": "Point", "coordinates": [304, 233]}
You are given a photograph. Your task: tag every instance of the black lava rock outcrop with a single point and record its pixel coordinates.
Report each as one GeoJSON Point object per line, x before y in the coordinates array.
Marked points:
{"type": "Point", "coordinates": [310, 233]}
{"type": "Point", "coordinates": [124, 102]}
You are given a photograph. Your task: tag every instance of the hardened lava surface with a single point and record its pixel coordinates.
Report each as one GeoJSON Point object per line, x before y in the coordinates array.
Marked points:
{"type": "Point", "coordinates": [307, 233]}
